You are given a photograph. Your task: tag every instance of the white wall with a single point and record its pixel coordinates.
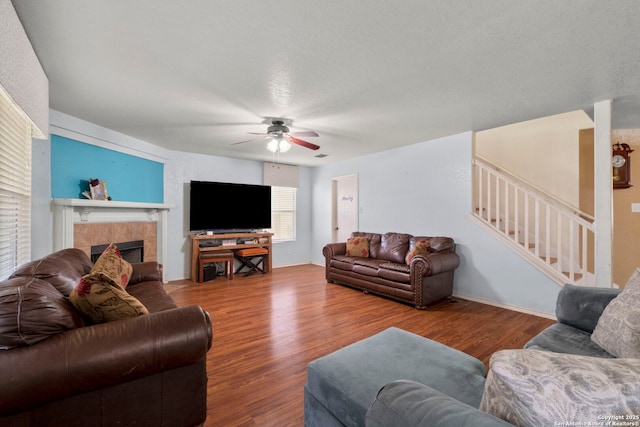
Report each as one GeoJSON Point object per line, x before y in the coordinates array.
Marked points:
{"type": "Point", "coordinates": [426, 189]}
{"type": "Point", "coordinates": [542, 151]}
{"type": "Point", "coordinates": [180, 168]}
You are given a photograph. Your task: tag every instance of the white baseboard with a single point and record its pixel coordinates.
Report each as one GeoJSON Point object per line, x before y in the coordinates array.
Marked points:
{"type": "Point", "coordinates": [506, 306]}
{"type": "Point", "coordinates": [295, 265]}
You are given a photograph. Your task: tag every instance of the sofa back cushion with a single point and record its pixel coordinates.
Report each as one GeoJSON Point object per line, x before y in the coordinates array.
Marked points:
{"type": "Point", "coordinates": [32, 310]}
{"type": "Point", "coordinates": [394, 247]}
{"type": "Point", "coordinates": [63, 269]}
{"type": "Point", "coordinates": [374, 242]}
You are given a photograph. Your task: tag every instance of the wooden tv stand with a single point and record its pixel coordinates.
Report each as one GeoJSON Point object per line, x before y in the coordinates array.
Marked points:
{"type": "Point", "coordinates": [197, 239]}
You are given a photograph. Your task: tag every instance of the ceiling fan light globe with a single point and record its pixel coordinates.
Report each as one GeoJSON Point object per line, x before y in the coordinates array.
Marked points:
{"type": "Point", "coordinates": [284, 146]}
{"type": "Point", "coordinates": [273, 145]}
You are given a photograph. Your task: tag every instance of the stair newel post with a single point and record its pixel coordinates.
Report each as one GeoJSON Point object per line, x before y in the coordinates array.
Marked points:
{"type": "Point", "coordinates": [603, 194]}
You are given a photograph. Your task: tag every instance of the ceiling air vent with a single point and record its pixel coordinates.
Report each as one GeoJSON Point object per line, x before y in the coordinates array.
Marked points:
{"type": "Point", "coordinates": [320, 156]}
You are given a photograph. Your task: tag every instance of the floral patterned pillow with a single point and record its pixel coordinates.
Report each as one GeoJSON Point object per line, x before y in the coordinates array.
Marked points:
{"type": "Point", "coordinates": [421, 248]}
{"type": "Point", "coordinates": [541, 388]}
{"type": "Point", "coordinates": [618, 328]}
{"type": "Point", "coordinates": [358, 247]}
{"type": "Point", "coordinates": [102, 301]}
{"type": "Point", "coordinates": [112, 267]}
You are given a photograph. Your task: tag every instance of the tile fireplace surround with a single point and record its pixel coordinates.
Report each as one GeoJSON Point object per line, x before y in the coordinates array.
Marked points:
{"type": "Point", "coordinates": [75, 220]}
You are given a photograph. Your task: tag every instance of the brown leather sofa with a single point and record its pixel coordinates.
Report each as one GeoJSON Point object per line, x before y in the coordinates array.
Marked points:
{"type": "Point", "coordinates": [426, 279]}
{"type": "Point", "coordinates": [56, 369]}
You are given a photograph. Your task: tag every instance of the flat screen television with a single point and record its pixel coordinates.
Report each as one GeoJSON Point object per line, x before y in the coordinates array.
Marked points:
{"type": "Point", "coordinates": [223, 206]}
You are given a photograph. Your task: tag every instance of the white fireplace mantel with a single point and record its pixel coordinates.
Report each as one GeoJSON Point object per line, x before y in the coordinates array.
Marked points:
{"type": "Point", "coordinates": [67, 212]}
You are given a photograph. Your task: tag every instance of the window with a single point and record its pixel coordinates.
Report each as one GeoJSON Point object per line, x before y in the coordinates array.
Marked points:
{"type": "Point", "coordinates": [283, 213]}
{"type": "Point", "coordinates": [15, 187]}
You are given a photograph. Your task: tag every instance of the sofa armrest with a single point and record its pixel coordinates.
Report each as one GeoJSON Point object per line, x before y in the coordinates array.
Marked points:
{"type": "Point", "coordinates": [103, 355]}
{"type": "Point", "coordinates": [409, 403]}
{"type": "Point", "coordinates": [435, 263]}
{"type": "Point", "coordinates": [582, 306]}
{"type": "Point", "coordinates": [332, 249]}
{"type": "Point", "coordinates": [149, 271]}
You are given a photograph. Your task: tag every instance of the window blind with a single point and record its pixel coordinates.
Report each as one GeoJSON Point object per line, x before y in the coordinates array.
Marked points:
{"type": "Point", "coordinates": [283, 213]}
{"type": "Point", "coordinates": [15, 187]}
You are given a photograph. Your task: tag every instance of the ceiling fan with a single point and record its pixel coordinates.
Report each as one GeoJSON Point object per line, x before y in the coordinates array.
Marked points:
{"type": "Point", "coordinates": [281, 138]}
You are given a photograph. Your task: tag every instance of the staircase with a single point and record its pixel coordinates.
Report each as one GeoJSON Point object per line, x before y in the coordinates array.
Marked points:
{"type": "Point", "coordinates": [552, 235]}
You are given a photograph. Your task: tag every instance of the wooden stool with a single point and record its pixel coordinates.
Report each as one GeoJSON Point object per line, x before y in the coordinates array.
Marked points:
{"type": "Point", "coordinates": [251, 258]}
{"type": "Point", "coordinates": [216, 256]}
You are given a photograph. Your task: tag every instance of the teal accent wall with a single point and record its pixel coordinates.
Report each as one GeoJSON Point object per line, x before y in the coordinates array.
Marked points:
{"type": "Point", "coordinates": [128, 178]}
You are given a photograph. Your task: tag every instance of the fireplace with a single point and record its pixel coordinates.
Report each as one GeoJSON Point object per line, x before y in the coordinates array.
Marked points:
{"type": "Point", "coordinates": [132, 251]}
{"type": "Point", "coordinates": [81, 224]}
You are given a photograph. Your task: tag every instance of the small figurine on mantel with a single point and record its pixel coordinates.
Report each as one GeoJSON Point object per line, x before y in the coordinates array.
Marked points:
{"type": "Point", "coordinates": [98, 190]}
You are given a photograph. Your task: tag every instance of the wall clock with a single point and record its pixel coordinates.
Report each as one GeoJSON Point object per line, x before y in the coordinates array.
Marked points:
{"type": "Point", "coordinates": [621, 164]}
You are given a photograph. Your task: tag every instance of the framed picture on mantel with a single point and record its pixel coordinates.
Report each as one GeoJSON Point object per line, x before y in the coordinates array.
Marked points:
{"type": "Point", "coordinates": [98, 189]}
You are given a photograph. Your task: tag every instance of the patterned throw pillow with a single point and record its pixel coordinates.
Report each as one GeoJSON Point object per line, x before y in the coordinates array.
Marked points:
{"type": "Point", "coordinates": [112, 267]}
{"type": "Point", "coordinates": [618, 328]}
{"type": "Point", "coordinates": [541, 388]}
{"type": "Point", "coordinates": [358, 247]}
{"type": "Point", "coordinates": [103, 301]}
{"type": "Point", "coordinates": [421, 248]}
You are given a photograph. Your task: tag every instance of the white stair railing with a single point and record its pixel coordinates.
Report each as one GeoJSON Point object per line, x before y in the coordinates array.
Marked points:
{"type": "Point", "coordinates": [554, 236]}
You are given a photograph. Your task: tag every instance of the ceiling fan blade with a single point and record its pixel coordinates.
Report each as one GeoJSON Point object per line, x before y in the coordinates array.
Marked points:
{"type": "Point", "coordinates": [257, 133]}
{"type": "Point", "coordinates": [302, 143]}
{"type": "Point", "coordinates": [242, 142]}
{"type": "Point", "coordinates": [309, 133]}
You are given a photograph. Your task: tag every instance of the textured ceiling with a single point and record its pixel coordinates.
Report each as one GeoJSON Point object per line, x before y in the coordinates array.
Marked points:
{"type": "Point", "coordinates": [366, 75]}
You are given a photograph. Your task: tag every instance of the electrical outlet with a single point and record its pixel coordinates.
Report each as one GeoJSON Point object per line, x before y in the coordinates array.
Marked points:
{"type": "Point", "coordinates": [635, 207]}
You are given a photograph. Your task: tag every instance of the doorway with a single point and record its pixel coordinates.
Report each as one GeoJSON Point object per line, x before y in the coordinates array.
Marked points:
{"type": "Point", "coordinates": [344, 191]}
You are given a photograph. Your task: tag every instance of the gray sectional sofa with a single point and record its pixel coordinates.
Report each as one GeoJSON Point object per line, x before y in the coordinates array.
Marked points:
{"type": "Point", "coordinates": [396, 378]}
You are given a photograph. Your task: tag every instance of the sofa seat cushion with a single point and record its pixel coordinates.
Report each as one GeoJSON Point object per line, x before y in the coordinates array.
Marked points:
{"type": "Point", "coordinates": [401, 268]}
{"type": "Point", "coordinates": [541, 388]}
{"type": "Point", "coordinates": [395, 272]}
{"type": "Point", "coordinates": [369, 262]}
{"type": "Point", "coordinates": [367, 266]}
{"type": "Point", "coordinates": [32, 310]}
{"type": "Point", "coordinates": [561, 338]}
{"type": "Point", "coordinates": [347, 381]}
{"type": "Point", "coordinates": [395, 276]}
{"type": "Point", "coordinates": [365, 270]}
{"type": "Point", "coordinates": [152, 295]}
{"type": "Point", "coordinates": [342, 262]}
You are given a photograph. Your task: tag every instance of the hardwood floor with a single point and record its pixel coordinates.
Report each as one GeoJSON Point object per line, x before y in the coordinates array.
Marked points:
{"type": "Point", "coordinates": [267, 328]}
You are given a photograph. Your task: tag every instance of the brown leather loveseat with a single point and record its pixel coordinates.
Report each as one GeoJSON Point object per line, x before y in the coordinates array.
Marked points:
{"type": "Point", "coordinates": [384, 271]}
{"type": "Point", "coordinates": [58, 369]}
